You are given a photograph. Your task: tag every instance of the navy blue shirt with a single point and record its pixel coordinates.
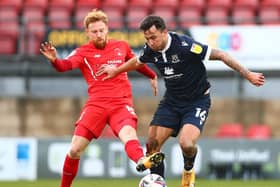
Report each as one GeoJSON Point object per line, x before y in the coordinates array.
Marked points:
{"type": "Point", "coordinates": [181, 65]}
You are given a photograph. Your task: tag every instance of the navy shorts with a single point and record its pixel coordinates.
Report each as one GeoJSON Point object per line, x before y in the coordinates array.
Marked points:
{"type": "Point", "coordinates": [174, 115]}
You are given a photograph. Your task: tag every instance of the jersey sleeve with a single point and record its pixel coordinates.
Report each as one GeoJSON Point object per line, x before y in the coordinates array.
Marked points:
{"type": "Point", "coordinates": [197, 49]}
{"type": "Point", "coordinates": [129, 53]}
{"type": "Point", "coordinates": [145, 55]}
{"type": "Point", "coordinates": [72, 61]}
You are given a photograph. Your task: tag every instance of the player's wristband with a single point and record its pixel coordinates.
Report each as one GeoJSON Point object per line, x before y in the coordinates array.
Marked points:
{"type": "Point", "coordinates": [145, 70]}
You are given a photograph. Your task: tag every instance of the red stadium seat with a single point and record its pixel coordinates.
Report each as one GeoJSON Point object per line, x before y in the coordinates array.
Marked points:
{"type": "Point", "coordinates": [13, 4]}
{"type": "Point", "coordinates": [230, 130]}
{"type": "Point", "coordinates": [140, 3]}
{"type": "Point", "coordinates": [170, 4]}
{"type": "Point", "coordinates": [199, 5]}
{"type": "Point", "coordinates": [9, 22]}
{"type": "Point", "coordinates": [134, 16]}
{"type": "Point", "coordinates": [216, 16]}
{"type": "Point", "coordinates": [79, 15]}
{"type": "Point", "coordinates": [59, 19]}
{"type": "Point", "coordinates": [62, 4]}
{"type": "Point", "coordinates": [41, 5]}
{"type": "Point", "coordinates": [188, 17]}
{"type": "Point", "coordinates": [258, 131]}
{"type": "Point", "coordinates": [113, 4]}
{"type": "Point", "coordinates": [243, 16]}
{"type": "Point", "coordinates": [270, 3]}
{"type": "Point", "coordinates": [168, 15]}
{"type": "Point", "coordinates": [269, 16]}
{"type": "Point", "coordinates": [226, 4]}
{"type": "Point", "coordinates": [115, 16]}
{"type": "Point", "coordinates": [8, 45]}
{"type": "Point", "coordinates": [252, 4]}
{"type": "Point", "coordinates": [88, 3]}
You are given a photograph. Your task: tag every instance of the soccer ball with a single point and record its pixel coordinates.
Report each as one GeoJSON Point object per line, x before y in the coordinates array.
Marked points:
{"type": "Point", "coordinates": [152, 180]}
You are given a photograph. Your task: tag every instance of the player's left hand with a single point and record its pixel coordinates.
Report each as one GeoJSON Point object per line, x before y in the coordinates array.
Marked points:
{"type": "Point", "coordinates": [154, 84]}
{"type": "Point", "coordinates": [108, 69]}
{"type": "Point", "coordinates": [256, 79]}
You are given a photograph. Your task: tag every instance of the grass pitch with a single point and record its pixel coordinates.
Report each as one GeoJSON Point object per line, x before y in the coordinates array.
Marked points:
{"type": "Point", "coordinates": [134, 183]}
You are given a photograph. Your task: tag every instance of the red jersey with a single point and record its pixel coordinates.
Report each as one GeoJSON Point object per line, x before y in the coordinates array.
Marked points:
{"type": "Point", "coordinates": [88, 59]}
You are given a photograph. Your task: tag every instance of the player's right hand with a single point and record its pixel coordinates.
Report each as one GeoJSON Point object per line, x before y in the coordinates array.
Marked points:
{"type": "Point", "coordinates": [110, 70]}
{"type": "Point", "coordinates": [48, 50]}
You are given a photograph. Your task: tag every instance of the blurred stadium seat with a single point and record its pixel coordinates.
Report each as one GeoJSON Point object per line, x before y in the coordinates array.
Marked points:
{"type": "Point", "coordinates": [243, 16]}
{"type": "Point", "coordinates": [270, 3]}
{"type": "Point", "coordinates": [199, 5]}
{"type": "Point", "coordinates": [170, 4]}
{"type": "Point", "coordinates": [116, 17]}
{"type": "Point", "coordinates": [216, 16]}
{"type": "Point", "coordinates": [120, 5]}
{"type": "Point", "coordinates": [269, 16]}
{"type": "Point", "coordinates": [225, 4]}
{"type": "Point", "coordinates": [11, 4]}
{"type": "Point", "coordinates": [68, 5]}
{"type": "Point", "coordinates": [147, 4]}
{"type": "Point", "coordinates": [168, 15]}
{"type": "Point", "coordinates": [8, 45]}
{"type": "Point", "coordinates": [79, 14]}
{"type": "Point", "coordinates": [188, 17]}
{"type": "Point", "coordinates": [9, 22]}
{"type": "Point", "coordinates": [34, 22]}
{"type": "Point", "coordinates": [41, 5]}
{"type": "Point", "coordinates": [258, 131]}
{"type": "Point", "coordinates": [230, 130]}
{"type": "Point", "coordinates": [248, 4]}
{"type": "Point", "coordinates": [134, 15]}
{"type": "Point", "coordinates": [59, 18]}
{"type": "Point", "coordinates": [87, 3]}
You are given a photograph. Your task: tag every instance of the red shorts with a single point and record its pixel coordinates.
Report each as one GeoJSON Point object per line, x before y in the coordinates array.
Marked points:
{"type": "Point", "coordinates": [96, 114]}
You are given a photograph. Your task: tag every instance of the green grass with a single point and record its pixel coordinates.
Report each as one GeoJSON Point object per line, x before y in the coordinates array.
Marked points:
{"type": "Point", "coordinates": [134, 183]}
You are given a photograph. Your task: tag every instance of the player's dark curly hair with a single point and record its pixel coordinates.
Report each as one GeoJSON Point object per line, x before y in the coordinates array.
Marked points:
{"type": "Point", "coordinates": [151, 20]}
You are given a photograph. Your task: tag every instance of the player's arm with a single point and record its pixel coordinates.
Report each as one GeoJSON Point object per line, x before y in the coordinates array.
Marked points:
{"type": "Point", "coordinates": [255, 78]}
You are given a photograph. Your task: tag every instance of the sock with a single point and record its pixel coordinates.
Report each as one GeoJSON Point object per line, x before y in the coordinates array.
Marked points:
{"type": "Point", "coordinates": [189, 158]}
{"type": "Point", "coordinates": [70, 169]}
{"type": "Point", "coordinates": [134, 150]}
{"type": "Point", "coordinates": [158, 170]}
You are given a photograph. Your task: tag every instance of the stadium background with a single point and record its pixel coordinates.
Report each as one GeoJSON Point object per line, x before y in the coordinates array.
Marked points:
{"type": "Point", "coordinates": [41, 104]}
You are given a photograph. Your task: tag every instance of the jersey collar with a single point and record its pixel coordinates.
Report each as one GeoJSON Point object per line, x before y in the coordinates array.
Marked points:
{"type": "Point", "coordinates": [167, 45]}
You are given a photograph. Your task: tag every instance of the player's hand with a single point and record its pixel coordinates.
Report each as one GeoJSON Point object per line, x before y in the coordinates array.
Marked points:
{"type": "Point", "coordinates": [154, 84]}
{"type": "Point", "coordinates": [256, 79]}
{"type": "Point", "coordinates": [110, 70]}
{"type": "Point", "coordinates": [48, 50]}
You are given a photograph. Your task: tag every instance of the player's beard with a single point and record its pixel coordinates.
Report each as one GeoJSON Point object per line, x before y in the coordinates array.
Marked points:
{"type": "Point", "coordinates": [100, 44]}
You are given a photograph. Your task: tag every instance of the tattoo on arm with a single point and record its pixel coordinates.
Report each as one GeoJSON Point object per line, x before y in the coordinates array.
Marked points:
{"type": "Point", "coordinates": [229, 61]}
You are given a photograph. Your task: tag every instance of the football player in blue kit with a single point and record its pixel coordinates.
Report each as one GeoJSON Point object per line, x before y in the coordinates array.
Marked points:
{"type": "Point", "coordinates": [184, 108]}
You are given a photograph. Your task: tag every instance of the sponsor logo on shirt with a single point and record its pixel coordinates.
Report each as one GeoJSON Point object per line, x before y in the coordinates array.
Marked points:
{"type": "Point", "coordinates": [168, 71]}
{"type": "Point", "coordinates": [114, 61]}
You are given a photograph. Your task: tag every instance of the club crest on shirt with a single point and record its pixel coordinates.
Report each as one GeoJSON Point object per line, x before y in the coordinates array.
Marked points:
{"type": "Point", "coordinates": [175, 59]}
{"type": "Point", "coordinates": [196, 48]}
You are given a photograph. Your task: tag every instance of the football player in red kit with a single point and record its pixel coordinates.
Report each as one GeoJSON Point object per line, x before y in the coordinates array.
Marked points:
{"type": "Point", "coordinates": [109, 102]}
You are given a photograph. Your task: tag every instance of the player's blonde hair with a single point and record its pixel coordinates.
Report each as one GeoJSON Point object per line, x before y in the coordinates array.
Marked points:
{"type": "Point", "coordinates": [95, 15]}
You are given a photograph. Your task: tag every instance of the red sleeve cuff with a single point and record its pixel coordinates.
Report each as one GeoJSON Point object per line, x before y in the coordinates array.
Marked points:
{"type": "Point", "coordinates": [148, 72]}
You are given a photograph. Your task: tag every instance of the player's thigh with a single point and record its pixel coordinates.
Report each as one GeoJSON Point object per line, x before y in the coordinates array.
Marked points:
{"type": "Point", "coordinates": [122, 115]}
{"type": "Point", "coordinates": [93, 118]}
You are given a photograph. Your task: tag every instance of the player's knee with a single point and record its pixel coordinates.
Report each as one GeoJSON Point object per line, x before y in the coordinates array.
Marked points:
{"type": "Point", "coordinates": [152, 145]}
{"type": "Point", "coordinates": [75, 152]}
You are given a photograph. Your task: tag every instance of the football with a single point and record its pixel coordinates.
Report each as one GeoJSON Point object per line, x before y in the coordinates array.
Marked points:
{"type": "Point", "coordinates": [152, 180]}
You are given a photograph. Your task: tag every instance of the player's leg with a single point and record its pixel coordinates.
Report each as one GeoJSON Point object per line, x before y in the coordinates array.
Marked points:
{"type": "Point", "coordinates": [157, 135]}
{"type": "Point", "coordinates": [188, 138]}
{"type": "Point", "coordinates": [71, 162]}
{"type": "Point", "coordinates": [123, 122]}
{"type": "Point", "coordinates": [92, 116]}
{"type": "Point", "coordinates": [193, 120]}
